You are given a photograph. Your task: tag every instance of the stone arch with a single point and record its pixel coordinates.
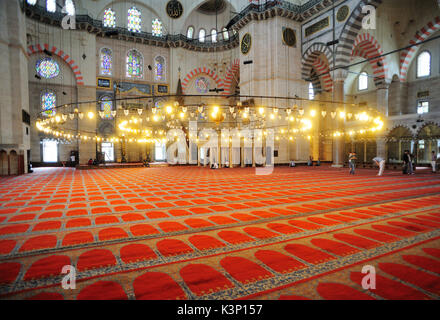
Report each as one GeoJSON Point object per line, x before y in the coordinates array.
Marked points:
{"type": "Point", "coordinates": [60, 53]}
{"type": "Point", "coordinates": [366, 46]}
{"type": "Point", "coordinates": [13, 163]}
{"type": "Point", "coordinates": [408, 55]}
{"type": "Point", "coordinates": [350, 32]}
{"type": "Point", "coordinates": [398, 139]}
{"type": "Point", "coordinates": [429, 130]}
{"type": "Point", "coordinates": [400, 131]}
{"type": "Point", "coordinates": [201, 70]}
{"type": "Point", "coordinates": [322, 77]}
{"type": "Point", "coordinates": [4, 163]}
{"type": "Point", "coordinates": [231, 77]}
{"type": "Point", "coordinates": [311, 54]}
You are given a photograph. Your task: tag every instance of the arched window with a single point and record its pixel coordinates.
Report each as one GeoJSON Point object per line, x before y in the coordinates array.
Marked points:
{"type": "Point", "coordinates": [47, 68]}
{"type": "Point", "coordinates": [107, 107]}
{"type": "Point", "coordinates": [213, 35]}
{"type": "Point", "coordinates": [109, 18]}
{"type": "Point", "coordinates": [70, 7]}
{"type": "Point", "coordinates": [51, 5]}
{"type": "Point", "coordinates": [190, 32]}
{"type": "Point", "coordinates": [106, 63]}
{"type": "Point", "coordinates": [135, 64]}
{"type": "Point", "coordinates": [48, 102]}
{"type": "Point", "coordinates": [311, 91]}
{"type": "Point", "coordinates": [134, 20]}
{"type": "Point", "coordinates": [225, 34]}
{"type": "Point", "coordinates": [157, 28]}
{"type": "Point", "coordinates": [159, 69]}
{"type": "Point", "coordinates": [31, 2]}
{"type": "Point", "coordinates": [202, 34]}
{"type": "Point", "coordinates": [424, 64]}
{"type": "Point", "coordinates": [363, 81]}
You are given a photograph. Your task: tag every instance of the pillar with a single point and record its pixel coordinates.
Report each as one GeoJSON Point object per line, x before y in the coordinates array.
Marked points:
{"type": "Point", "coordinates": [14, 82]}
{"type": "Point", "coordinates": [382, 100]}
{"type": "Point", "coordinates": [338, 96]}
{"type": "Point", "coordinates": [253, 152]}
{"type": "Point", "coordinates": [381, 148]}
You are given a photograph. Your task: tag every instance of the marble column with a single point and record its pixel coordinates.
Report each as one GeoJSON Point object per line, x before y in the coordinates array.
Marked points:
{"type": "Point", "coordinates": [338, 96]}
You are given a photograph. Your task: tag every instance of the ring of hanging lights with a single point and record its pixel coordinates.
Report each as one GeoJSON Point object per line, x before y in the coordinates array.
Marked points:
{"type": "Point", "coordinates": [149, 124]}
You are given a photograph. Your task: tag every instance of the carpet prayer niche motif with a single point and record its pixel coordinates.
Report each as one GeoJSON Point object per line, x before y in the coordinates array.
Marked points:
{"type": "Point", "coordinates": [195, 233]}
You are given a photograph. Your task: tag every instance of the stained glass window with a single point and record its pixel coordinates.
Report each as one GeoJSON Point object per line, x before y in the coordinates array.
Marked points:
{"type": "Point", "coordinates": [109, 18]}
{"type": "Point", "coordinates": [32, 2]}
{"type": "Point", "coordinates": [202, 34]}
{"type": "Point", "coordinates": [190, 33]}
{"type": "Point", "coordinates": [51, 5]}
{"type": "Point", "coordinates": [134, 64]}
{"type": "Point", "coordinates": [47, 68]}
{"type": "Point", "coordinates": [106, 61]}
{"type": "Point", "coordinates": [159, 69]}
{"type": "Point", "coordinates": [70, 7]}
{"type": "Point", "coordinates": [134, 20]}
{"type": "Point", "coordinates": [213, 35]}
{"type": "Point", "coordinates": [202, 85]}
{"type": "Point", "coordinates": [48, 102]}
{"type": "Point", "coordinates": [107, 107]}
{"type": "Point", "coordinates": [157, 28]}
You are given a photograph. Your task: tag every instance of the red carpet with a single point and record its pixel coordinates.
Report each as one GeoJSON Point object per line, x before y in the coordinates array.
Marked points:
{"type": "Point", "coordinates": [195, 233]}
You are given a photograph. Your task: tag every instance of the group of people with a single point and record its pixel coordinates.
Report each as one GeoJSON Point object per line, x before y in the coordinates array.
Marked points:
{"type": "Point", "coordinates": [310, 162]}
{"type": "Point", "coordinates": [408, 162]}
{"type": "Point", "coordinates": [352, 157]}
{"type": "Point", "coordinates": [92, 162]}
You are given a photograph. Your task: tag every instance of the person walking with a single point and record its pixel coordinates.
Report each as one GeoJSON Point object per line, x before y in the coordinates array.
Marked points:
{"type": "Point", "coordinates": [433, 161]}
{"type": "Point", "coordinates": [352, 161]}
{"type": "Point", "coordinates": [381, 163]}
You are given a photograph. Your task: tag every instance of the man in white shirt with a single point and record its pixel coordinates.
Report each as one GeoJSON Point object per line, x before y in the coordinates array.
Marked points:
{"type": "Point", "coordinates": [433, 161]}
{"type": "Point", "coordinates": [381, 163]}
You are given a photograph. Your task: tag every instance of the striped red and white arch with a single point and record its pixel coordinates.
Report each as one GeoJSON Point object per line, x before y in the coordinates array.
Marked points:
{"type": "Point", "coordinates": [201, 70]}
{"type": "Point", "coordinates": [408, 55]}
{"type": "Point", "coordinates": [33, 49]}
{"type": "Point", "coordinates": [367, 47]}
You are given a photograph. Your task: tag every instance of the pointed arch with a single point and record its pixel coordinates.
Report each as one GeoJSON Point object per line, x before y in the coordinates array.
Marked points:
{"type": "Point", "coordinates": [202, 70]}
{"type": "Point", "coordinates": [38, 48]}
{"type": "Point", "coordinates": [322, 78]}
{"type": "Point", "coordinates": [350, 32]}
{"type": "Point", "coordinates": [367, 47]}
{"type": "Point", "coordinates": [311, 54]}
{"type": "Point", "coordinates": [421, 35]}
{"type": "Point", "coordinates": [231, 75]}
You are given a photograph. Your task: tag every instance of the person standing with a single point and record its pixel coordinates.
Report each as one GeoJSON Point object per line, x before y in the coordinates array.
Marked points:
{"type": "Point", "coordinates": [310, 162]}
{"type": "Point", "coordinates": [352, 161]}
{"type": "Point", "coordinates": [410, 163]}
{"type": "Point", "coordinates": [381, 163]}
{"type": "Point", "coordinates": [433, 161]}
{"type": "Point", "coordinates": [406, 160]}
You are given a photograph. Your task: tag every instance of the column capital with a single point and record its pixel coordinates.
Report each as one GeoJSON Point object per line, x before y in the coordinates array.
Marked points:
{"type": "Point", "coordinates": [340, 75]}
{"type": "Point", "coordinates": [383, 86]}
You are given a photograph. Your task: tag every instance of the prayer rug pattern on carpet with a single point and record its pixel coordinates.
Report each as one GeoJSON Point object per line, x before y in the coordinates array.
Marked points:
{"type": "Point", "coordinates": [195, 233]}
